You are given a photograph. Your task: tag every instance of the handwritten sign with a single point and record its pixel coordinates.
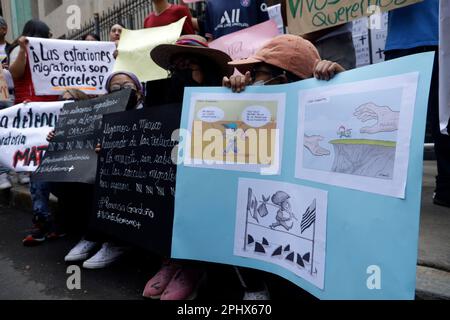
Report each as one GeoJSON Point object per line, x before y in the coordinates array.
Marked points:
{"type": "Point", "coordinates": [23, 132]}
{"type": "Point", "coordinates": [60, 64]}
{"type": "Point", "coordinates": [246, 42]}
{"type": "Point", "coordinates": [71, 155]}
{"type": "Point", "coordinates": [305, 16]}
{"type": "Point", "coordinates": [4, 91]}
{"type": "Point", "coordinates": [135, 189]}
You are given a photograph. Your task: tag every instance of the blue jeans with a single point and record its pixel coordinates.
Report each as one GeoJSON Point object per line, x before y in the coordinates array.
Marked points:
{"type": "Point", "coordinates": [40, 192]}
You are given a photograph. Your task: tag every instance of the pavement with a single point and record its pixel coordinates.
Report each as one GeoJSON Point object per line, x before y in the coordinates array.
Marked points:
{"type": "Point", "coordinates": [433, 272]}
{"type": "Point", "coordinates": [39, 273]}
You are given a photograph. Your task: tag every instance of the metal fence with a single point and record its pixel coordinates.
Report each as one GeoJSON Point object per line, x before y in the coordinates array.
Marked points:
{"type": "Point", "coordinates": [129, 13]}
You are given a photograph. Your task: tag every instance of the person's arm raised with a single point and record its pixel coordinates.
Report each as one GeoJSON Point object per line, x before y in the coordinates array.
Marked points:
{"type": "Point", "coordinates": [17, 67]}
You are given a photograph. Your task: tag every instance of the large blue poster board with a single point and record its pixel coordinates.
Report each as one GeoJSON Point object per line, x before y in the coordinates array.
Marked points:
{"type": "Point", "coordinates": [333, 204]}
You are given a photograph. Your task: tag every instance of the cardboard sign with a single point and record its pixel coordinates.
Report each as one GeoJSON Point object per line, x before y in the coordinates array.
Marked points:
{"type": "Point", "coordinates": [23, 133]}
{"type": "Point", "coordinates": [343, 211]}
{"type": "Point", "coordinates": [444, 67]}
{"type": "Point", "coordinates": [305, 16]}
{"type": "Point", "coordinates": [135, 189]}
{"type": "Point", "coordinates": [71, 155]}
{"type": "Point", "coordinates": [57, 65]}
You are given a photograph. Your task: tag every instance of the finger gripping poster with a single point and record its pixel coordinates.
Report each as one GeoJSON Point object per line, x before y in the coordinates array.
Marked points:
{"type": "Point", "coordinates": [71, 154]}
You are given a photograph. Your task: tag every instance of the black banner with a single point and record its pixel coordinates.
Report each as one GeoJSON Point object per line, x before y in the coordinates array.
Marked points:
{"type": "Point", "coordinates": [71, 155]}
{"type": "Point", "coordinates": [135, 187]}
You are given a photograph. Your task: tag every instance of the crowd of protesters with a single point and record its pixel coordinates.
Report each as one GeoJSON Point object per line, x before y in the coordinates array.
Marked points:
{"type": "Point", "coordinates": [190, 62]}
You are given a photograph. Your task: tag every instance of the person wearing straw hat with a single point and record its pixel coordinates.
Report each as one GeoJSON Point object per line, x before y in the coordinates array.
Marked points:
{"type": "Point", "coordinates": [189, 62]}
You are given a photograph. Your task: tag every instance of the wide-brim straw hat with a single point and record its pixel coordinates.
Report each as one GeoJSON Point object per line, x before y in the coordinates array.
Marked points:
{"type": "Point", "coordinates": [193, 45]}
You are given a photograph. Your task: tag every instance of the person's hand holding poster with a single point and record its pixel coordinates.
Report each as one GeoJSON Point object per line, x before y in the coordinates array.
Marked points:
{"type": "Point", "coordinates": [60, 64]}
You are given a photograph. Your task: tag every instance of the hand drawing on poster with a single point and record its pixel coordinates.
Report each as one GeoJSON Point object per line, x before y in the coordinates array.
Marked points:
{"type": "Point", "coordinates": [358, 135]}
{"type": "Point", "coordinates": [236, 132]}
{"type": "Point", "coordinates": [283, 224]}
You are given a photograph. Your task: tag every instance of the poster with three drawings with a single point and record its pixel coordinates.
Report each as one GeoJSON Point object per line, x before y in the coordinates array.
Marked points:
{"type": "Point", "coordinates": [358, 135]}
{"type": "Point", "coordinates": [343, 197]}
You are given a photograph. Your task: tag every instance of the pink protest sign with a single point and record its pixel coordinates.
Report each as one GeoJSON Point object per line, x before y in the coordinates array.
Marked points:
{"type": "Point", "coordinates": [244, 43]}
{"type": "Point", "coordinates": [192, 1]}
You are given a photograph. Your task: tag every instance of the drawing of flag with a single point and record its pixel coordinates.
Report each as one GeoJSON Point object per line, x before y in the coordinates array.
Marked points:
{"type": "Point", "coordinates": [309, 218]}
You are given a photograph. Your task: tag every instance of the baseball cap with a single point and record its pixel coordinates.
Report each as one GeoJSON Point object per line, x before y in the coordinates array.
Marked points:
{"type": "Point", "coordinates": [288, 52]}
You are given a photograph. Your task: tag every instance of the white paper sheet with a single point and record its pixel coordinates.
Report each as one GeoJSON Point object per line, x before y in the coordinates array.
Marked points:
{"type": "Point", "coordinates": [358, 135]}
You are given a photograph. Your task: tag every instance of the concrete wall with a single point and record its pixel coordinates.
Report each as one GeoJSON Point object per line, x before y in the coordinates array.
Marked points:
{"type": "Point", "coordinates": [16, 14]}
{"type": "Point", "coordinates": [57, 19]}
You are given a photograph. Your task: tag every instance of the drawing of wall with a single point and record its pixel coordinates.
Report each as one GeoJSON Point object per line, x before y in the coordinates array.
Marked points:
{"type": "Point", "coordinates": [369, 158]}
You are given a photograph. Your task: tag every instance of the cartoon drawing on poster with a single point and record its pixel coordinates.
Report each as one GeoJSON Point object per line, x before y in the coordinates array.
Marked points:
{"type": "Point", "coordinates": [283, 224]}
{"type": "Point", "coordinates": [236, 132]}
{"type": "Point", "coordinates": [357, 135]}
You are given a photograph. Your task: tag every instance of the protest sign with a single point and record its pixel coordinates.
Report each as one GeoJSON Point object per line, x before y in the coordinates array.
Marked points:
{"type": "Point", "coordinates": [135, 47]}
{"type": "Point", "coordinates": [23, 133]}
{"type": "Point", "coordinates": [135, 186]}
{"type": "Point", "coordinates": [4, 90]}
{"type": "Point", "coordinates": [328, 236]}
{"type": "Point", "coordinates": [71, 155]}
{"type": "Point", "coordinates": [305, 16]}
{"type": "Point", "coordinates": [444, 66]}
{"type": "Point", "coordinates": [244, 43]}
{"type": "Point", "coordinates": [57, 65]}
